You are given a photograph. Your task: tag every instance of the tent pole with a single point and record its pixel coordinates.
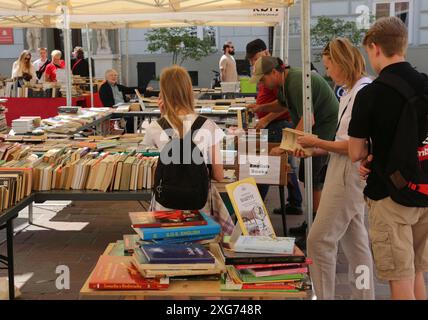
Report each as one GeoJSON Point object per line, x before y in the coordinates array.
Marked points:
{"type": "Point", "coordinates": [281, 49]}
{"type": "Point", "coordinates": [67, 48]}
{"type": "Point", "coordinates": [91, 82]}
{"type": "Point", "coordinates": [274, 42]}
{"type": "Point", "coordinates": [119, 50]}
{"type": "Point", "coordinates": [286, 34]}
{"type": "Point", "coordinates": [127, 54]}
{"type": "Point", "coordinates": [305, 7]}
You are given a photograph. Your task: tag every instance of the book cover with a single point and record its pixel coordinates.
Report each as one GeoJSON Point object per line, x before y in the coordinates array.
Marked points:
{"type": "Point", "coordinates": [211, 228]}
{"type": "Point", "coordinates": [270, 265]}
{"type": "Point", "coordinates": [172, 218]}
{"type": "Point", "coordinates": [276, 271]}
{"type": "Point", "coordinates": [289, 141]}
{"type": "Point", "coordinates": [143, 263]}
{"type": "Point", "coordinates": [238, 258]}
{"type": "Point", "coordinates": [264, 244]}
{"type": "Point", "coordinates": [177, 253]}
{"type": "Point", "coordinates": [247, 277]}
{"type": "Point", "coordinates": [118, 273]}
{"type": "Point", "coordinates": [249, 208]}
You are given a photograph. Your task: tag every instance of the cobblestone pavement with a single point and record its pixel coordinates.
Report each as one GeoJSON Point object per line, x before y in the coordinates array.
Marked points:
{"type": "Point", "coordinates": [76, 233]}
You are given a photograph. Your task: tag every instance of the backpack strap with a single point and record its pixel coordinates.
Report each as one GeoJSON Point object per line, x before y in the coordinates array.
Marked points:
{"type": "Point", "coordinates": [197, 124]}
{"type": "Point", "coordinates": [166, 127]}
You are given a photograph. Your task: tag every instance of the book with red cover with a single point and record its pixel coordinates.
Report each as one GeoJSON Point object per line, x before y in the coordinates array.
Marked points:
{"type": "Point", "coordinates": [118, 273]}
{"type": "Point", "coordinates": [162, 219]}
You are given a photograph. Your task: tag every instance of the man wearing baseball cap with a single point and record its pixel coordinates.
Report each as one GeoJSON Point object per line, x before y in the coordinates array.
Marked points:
{"type": "Point", "coordinates": [273, 73]}
{"type": "Point", "coordinates": [274, 122]}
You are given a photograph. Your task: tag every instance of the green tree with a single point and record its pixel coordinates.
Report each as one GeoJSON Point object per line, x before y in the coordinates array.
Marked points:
{"type": "Point", "coordinates": [327, 29]}
{"type": "Point", "coordinates": [182, 43]}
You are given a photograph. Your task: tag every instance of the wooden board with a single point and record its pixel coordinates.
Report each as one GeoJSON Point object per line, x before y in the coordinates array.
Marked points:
{"type": "Point", "coordinates": [199, 289]}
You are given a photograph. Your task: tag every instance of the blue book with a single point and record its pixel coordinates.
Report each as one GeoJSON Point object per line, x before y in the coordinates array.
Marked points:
{"type": "Point", "coordinates": [211, 228]}
{"type": "Point", "coordinates": [176, 253]}
{"type": "Point", "coordinates": [184, 239]}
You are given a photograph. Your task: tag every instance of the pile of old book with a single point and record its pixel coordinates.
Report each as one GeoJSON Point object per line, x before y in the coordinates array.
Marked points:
{"type": "Point", "coordinates": [262, 263]}
{"type": "Point", "coordinates": [15, 184]}
{"type": "Point", "coordinates": [82, 169]}
{"type": "Point", "coordinates": [176, 243]}
{"type": "Point", "coordinates": [169, 246]}
{"type": "Point", "coordinates": [3, 123]}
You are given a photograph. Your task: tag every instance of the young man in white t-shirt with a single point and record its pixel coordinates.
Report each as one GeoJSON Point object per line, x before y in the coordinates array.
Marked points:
{"type": "Point", "coordinates": [41, 63]}
{"type": "Point", "coordinates": [227, 64]}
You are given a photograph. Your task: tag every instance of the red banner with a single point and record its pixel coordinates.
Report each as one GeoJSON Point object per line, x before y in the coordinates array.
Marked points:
{"type": "Point", "coordinates": [6, 36]}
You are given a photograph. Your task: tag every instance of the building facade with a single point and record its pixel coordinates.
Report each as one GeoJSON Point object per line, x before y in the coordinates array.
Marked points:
{"type": "Point", "coordinates": [413, 12]}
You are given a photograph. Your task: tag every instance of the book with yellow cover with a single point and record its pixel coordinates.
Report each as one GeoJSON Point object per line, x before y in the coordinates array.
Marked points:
{"type": "Point", "coordinates": [249, 208]}
{"type": "Point", "coordinates": [289, 141]}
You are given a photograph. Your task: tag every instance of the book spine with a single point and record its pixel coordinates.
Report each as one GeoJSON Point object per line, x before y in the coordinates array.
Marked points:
{"type": "Point", "coordinates": [170, 224]}
{"type": "Point", "coordinates": [136, 286]}
{"type": "Point", "coordinates": [279, 272]}
{"type": "Point", "coordinates": [157, 233]}
{"type": "Point", "coordinates": [264, 260]}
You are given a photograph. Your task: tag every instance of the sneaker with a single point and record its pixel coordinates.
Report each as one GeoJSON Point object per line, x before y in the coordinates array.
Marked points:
{"type": "Point", "coordinates": [299, 231]}
{"type": "Point", "coordinates": [290, 210]}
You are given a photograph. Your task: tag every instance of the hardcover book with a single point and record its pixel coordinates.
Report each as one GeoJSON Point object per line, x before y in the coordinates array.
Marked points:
{"type": "Point", "coordinates": [249, 208]}
{"type": "Point", "coordinates": [118, 273]}
{"type": "Point", "coordinates": [211, 228]}
{"type": "Point", "coordinates": [263, 244]}
{"type": "Point", "coordinates": [289, 141]}
{"type": "Point", "coordinates": [173, 218]}
{"type": "Point", "coordinates": [177, 253]}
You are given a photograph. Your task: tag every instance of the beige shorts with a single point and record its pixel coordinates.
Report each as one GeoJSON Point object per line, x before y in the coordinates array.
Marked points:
{"type": "Point", "coordinates": [399, 239]}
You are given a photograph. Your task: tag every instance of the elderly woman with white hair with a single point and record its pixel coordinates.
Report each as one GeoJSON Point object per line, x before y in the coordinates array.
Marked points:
{"type": "Point", "coordinates": [57, 63]}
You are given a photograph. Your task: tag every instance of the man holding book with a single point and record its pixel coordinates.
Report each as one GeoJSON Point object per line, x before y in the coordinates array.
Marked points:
{"type": "Point", "coordinates": [274, 122]}
{"type": "Point", "coordinates": [272, 72]}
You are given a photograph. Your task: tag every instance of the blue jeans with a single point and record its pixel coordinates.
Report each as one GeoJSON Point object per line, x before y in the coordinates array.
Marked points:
{"type": "Point", "coordinates": [275, 135]}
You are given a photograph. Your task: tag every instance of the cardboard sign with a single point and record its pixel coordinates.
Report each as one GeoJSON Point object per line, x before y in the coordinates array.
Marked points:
{"type": "Point", "coordinates": [6, 36]}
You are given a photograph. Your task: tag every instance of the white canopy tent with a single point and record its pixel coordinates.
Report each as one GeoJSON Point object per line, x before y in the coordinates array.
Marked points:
{"type": "Point", "coordinates": [104, 14]}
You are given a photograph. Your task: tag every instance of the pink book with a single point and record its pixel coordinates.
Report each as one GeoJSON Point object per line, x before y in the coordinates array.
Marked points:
{"type": "Point", "coordinates": [267, 266]}
{"type": "Point", "coordinates": [276, 271]}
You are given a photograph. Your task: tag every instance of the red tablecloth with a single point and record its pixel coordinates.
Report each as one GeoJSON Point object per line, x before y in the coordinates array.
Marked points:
{"type": "Point", "coordinates": [43, 107]}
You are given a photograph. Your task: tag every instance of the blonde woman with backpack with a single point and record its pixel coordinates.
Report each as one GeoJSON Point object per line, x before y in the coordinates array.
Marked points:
{"type": "Point", "coordinates": [189, 146]}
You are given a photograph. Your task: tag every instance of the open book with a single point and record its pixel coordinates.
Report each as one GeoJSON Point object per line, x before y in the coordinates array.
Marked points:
{"type": "Point", "coordinates": [289, 141]}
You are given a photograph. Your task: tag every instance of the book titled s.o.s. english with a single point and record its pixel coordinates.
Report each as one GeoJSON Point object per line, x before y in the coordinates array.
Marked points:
{"type": "Point", "coordinates": [211, 228]}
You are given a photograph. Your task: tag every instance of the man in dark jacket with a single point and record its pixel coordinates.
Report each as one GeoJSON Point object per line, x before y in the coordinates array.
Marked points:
{"type": "Point", "coordinates": [112, 93]}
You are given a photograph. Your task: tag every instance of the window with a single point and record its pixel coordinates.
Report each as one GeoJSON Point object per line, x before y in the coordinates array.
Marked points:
{"type": "Point", "coordinates": [396, 8]}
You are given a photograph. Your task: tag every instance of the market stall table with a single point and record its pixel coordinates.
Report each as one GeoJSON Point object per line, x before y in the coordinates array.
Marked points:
{"type": "Point", "coordinates": [43, 107]}
{"type": "Point", "coordinates": [197, 289]}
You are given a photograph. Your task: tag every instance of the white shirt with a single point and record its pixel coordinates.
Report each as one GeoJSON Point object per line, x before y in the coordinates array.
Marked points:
{"type": "Point", "coordinates": [347, 102]}
{"type": "Point", "coordinates": [39, 63]}
{"type": "Point", "coordinates": [209, 135]}
{"type": "Point", "coordinates": [17, 71]}
{"type": "Point", "coordinates": [228, 71]}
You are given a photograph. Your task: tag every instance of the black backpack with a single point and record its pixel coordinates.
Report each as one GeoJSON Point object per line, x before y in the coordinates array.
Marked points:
{"type": "Point", "coordinates": [406, 172]}
{"type": "Point", "coordinates": [182, 177]}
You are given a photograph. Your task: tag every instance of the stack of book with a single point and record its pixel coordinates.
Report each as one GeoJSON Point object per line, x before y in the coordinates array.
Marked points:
{"type": "Point", "coordinates": [102, 171]}
{"type": "Point", "coordinates": [263, 263]}
{"type": "Point", "coordinates": [114, 272]}
{"type": "Point", "coordinates": [13, 151]}
{"type": "Point", "coordinates": [175, 244]}
{"type": "Point", "coordinates": [3, 124]}
{"type": "Point", "coordinates": [25, 124]}
{"type": "Point", "coordinates": [177, 226]}
{"type": "Point", "coordinates": [15, 184]}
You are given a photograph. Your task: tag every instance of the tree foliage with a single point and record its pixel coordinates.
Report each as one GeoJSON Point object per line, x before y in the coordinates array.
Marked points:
{"type": "Point", "coordinates": [326, 29]}
{"type": "Point", "coordinates": [182, 43]}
